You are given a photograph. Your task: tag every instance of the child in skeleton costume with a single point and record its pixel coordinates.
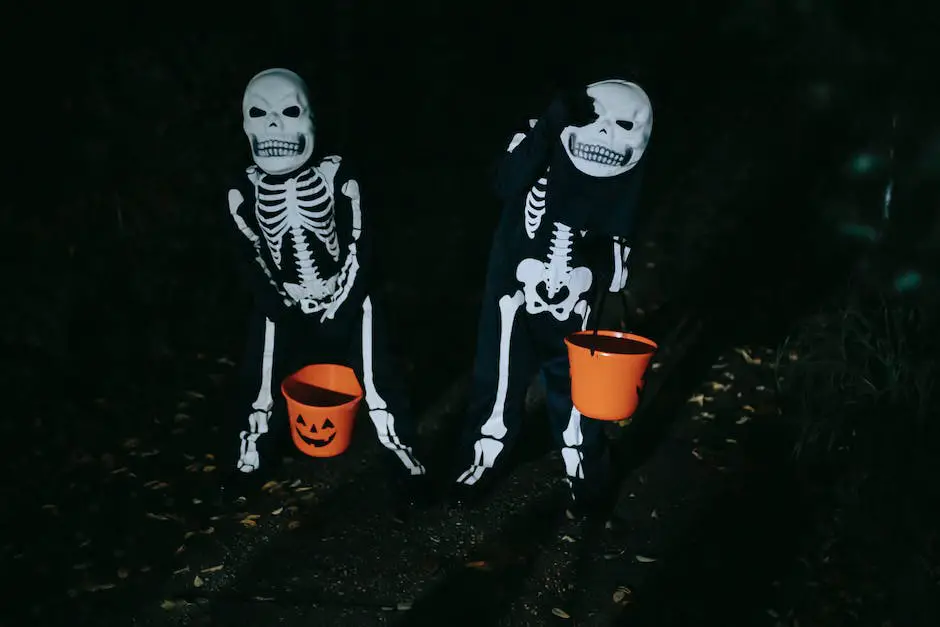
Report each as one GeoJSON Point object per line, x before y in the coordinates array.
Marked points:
{"type": "Point", "coordinates": [304, 246]}
{"type": "Point", "coordinates": [569, 188]}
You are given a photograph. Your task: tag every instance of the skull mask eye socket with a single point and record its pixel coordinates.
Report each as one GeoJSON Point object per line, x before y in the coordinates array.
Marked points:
{"type": "Point", "coordinates": [626, 125]}
{"type": "Point", "coordinates": [255, 112]}
{"type": "Point", "coordinates": [292, 111]}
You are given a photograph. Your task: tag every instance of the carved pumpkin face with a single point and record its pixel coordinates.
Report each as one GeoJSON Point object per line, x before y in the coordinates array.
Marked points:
{"type": "Point", "coordinates": [315, 435]}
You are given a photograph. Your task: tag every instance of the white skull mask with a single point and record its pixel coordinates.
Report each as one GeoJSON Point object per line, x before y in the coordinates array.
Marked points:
{"type": "Point", "coordinates": [278, 121]}
{"type": "Point", "coordinates": [615, 141]}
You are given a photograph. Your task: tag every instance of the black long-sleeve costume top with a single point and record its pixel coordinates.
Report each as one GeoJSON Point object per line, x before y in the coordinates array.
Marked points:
{"type": "Point", "coordinates": [329, 244]}
{"type": "Point", "coordinates": [599, 211]}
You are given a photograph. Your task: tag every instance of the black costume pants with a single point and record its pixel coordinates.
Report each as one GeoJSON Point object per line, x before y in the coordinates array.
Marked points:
{"type": "Point", "coordinates": [512, 347]}
{"type": "Point", "coordinates": [356, 338]}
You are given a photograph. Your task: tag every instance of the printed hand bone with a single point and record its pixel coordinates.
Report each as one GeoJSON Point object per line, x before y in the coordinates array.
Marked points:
{"type": "Point", "coordinates": [248, 459]}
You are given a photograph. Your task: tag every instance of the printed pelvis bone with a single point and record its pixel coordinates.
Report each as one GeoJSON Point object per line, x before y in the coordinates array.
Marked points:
{"type": "Point", "coordinates": [614, 142]}
{"type": "Point", "coordinates": [278, 121]}
{"type": "Point", "coordinates": [561, 284]}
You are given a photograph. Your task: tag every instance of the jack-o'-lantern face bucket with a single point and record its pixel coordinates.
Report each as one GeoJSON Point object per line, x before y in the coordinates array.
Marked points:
{"type": "Point", "coordinates": [322, 401]}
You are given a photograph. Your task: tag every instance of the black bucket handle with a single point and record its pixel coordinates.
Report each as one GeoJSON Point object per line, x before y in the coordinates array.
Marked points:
{"type": "Point", "coordinates": [602, 298]}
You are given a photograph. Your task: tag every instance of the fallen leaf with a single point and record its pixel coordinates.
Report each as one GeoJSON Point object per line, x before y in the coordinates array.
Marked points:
{"type": "Point", "coordinates": [198, 582]}
{"type": "Point", "coordinates": [225, 361]}
{"type": "Point", "coordinates": [262, 598]}
{"type": "Point", "coordinates": [743, 419]}
{"type": "Point", "coordinates": [160, 485]}
{"type": "Point", "coordinates": [168, 605]}
{"type": "Point", "coordinates": [645, 560]}
{"type": "Point", "coordinates": [731, 441]}
{"type": "Point", "coordinates": [747, 356]}
{"type": "Point", "coordinates": [793, 356]}
{"type": "Point", "coordinates": [760, 388]}
{"type": "Point", "coordinates": [122, 573]}
{"type": "Point", "coordinates": [208, 531]}
{"type": "Point", "coordinates": [719, 366]}
{"type": "Point", "coordinates": [212, 569]}
{"type": "Point", "coordinates": [403, 606]}
{"type": "Point", "coordinates": [277, 511]}
{"type": "Point", "coordinates": [270, 485]}
{"type": "Point", "coordinates": [567, 538]}
{"type": "Point", "coordinates": [248, 522]}
{"type": "Point", "coordinates": [99, 587]}
{"type": "Point", "coordinates": [479, 565]}
{"type": "Point", "coordinates": [560, 613]}
{"type": "Point", "coordinates": [654, 514]}
{"type": "Point", "coordinates": [718, 387]}
{"type": "Point", "coordinates": [621, 595]}
{"type": "Point", "coordinates": [699, 399]}
{"type": "Point", "coordinates": [118, 471]}
{"type": "Point", "coordinates": [157, 516]}
{"type": "Point", "coordinates": [195, 394]}
{"type": "Point", "coordinates": [188, 535]}
{"type": "Point", "coordinates": [303, 489]}
{"type": "Point", "coordinates": [197, 501]}
{"type": "Point", "coordinates": [293, 524]}
{"type": "Point", "coordinates": [727, 375]}
{"type": "Point", "coordinates": [656, 365]}
{"type": "Point", "coordinates": [748, 408]}
{"type": "Point", "coordinates": [208, 468]}
{"type": "Point", "coordinates": [180, 571]}
{"type": "Point", "coordinates": [697, 455]}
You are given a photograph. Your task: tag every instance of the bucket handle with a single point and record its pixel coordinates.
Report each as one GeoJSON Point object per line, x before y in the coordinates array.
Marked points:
{"type": "Point", "coordinates": [600, 308]}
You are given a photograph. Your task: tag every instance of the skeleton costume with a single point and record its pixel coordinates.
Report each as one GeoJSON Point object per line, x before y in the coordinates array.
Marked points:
{"type": "Point", "coordinates": [304, 247]}
{"type": "Point", "coordinates": [569, 188]}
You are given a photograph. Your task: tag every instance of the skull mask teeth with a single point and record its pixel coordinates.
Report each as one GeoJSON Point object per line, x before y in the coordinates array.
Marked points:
{"type": "Point", "coordinates": [614, 142]}
{"type": "Point", "coordinates": [278, 121]}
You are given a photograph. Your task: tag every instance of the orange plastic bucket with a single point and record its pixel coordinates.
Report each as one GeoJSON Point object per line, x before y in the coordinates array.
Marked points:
{"type": "Point", "coordinates": [605, 385]}
{"type": "Point", "coordinates": [322, 400]}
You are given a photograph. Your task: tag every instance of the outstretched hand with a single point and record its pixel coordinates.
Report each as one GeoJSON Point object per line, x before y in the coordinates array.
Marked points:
{"type": "Point", "coordinates": [571, 107]}
{"type": "Point", "coordinates": [579, 107]}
